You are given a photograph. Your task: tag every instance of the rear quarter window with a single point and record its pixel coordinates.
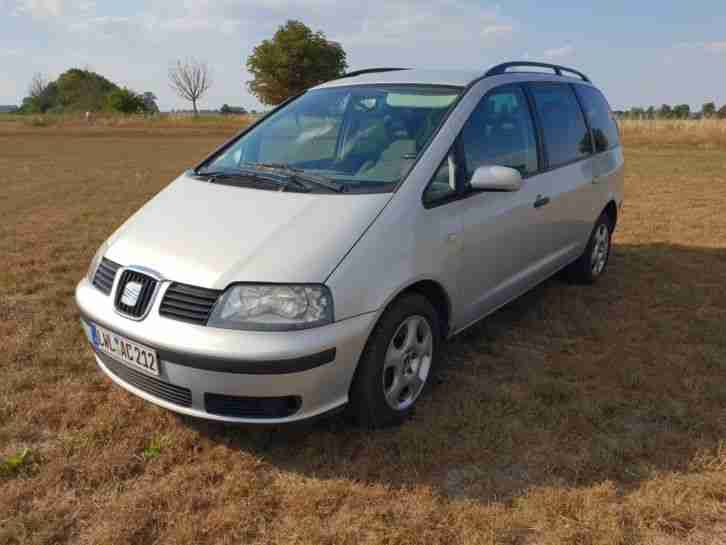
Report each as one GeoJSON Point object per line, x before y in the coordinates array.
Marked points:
{"type": "Point", "coordinates": [599, 116]}
{"type": "Point", "coordinates": [566, 137]}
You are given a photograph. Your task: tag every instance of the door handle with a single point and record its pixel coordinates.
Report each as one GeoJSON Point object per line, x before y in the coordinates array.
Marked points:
{"type": "Point", "coordinates": [541, 201]}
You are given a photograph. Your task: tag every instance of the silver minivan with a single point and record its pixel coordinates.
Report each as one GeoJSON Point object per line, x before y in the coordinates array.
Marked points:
{"type": "Point", "coordinates": [319, 258]}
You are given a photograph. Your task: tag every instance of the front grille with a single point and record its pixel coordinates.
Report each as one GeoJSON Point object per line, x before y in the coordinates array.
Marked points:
{"type": "Point", "coordinates": [139, 298]}
{"type": "Point", "coordinates": [188, 303]}
{"type": "Point", "coordinates": [153, 386]}
{"type": "Point", "coordinates": [105, 275]}
{"type": "Point", "coordinates": [251, 407]}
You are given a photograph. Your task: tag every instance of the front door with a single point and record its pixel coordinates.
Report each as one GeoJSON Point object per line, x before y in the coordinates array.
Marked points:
{"type": "Point", "coordinates": [501, 230]}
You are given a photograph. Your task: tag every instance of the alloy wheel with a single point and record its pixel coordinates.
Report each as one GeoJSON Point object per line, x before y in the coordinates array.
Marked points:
{"type": "Point", "coordinates": [600, 250]}
{"type": "Point", "coordinates": [407, 363]}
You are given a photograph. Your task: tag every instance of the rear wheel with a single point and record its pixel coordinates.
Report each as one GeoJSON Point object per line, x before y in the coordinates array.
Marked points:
{"type": "Point", "coordinates": [594, 260]}
{"type": "Point", "coordinates": [396, 364]}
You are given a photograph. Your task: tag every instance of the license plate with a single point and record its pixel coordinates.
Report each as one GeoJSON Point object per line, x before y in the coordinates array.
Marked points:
{"type": "Point", "coordinates": [134, 355]}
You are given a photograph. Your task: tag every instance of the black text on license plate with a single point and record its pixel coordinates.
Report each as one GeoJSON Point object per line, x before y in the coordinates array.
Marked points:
{"type": "Point", "coordinates": [120, 348]}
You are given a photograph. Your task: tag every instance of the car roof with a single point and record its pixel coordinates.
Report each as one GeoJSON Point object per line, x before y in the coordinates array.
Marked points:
{"type": "Point", "coordinates": [454, 78]}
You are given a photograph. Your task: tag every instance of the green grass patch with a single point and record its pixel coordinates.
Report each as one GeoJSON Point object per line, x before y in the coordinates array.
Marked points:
{"type": "Point", "coordinates": [156, 445]}
{"type": "Point", "coordinates": [11, 465]}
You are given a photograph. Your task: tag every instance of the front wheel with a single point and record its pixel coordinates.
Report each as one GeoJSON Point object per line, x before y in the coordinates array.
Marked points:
{"type": "Point", "coordinates": [396, 363]}
{"type": "Point", "coordinates": [594, 260]}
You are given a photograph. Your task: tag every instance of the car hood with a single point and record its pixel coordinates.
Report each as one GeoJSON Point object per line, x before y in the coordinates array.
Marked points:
{"type": "Point", "coordinates": [211, 235]}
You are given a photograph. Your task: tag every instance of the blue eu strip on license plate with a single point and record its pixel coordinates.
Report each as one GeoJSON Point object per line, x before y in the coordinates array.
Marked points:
{"type": "Point", "coordinates": [94, 334]}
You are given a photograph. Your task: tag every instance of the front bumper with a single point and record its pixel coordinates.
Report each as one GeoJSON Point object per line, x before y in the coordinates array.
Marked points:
{"type": "Point", "coordinates": [314, 367]}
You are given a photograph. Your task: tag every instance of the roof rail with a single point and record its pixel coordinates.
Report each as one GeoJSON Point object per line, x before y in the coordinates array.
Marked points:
{"type": "Point", "coordinates": [369, 71]}
{"type": "Point", "coordinates": [502, 68]}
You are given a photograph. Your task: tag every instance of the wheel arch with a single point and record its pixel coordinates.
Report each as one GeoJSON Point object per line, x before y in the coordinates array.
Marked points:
{"type": "Point", "coordinates": [434, 292]}
{"type": "Point", "coordinates": [438, 297]}
{"type": "Point", "coordinates": [611, 210]}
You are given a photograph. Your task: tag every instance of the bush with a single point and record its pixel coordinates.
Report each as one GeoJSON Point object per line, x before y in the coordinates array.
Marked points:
{"type": "Point", "coordinates": [125, 101]}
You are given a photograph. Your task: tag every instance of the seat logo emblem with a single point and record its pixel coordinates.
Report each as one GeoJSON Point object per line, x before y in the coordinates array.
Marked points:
{"type": "Point", "coordinates": [131, 293]}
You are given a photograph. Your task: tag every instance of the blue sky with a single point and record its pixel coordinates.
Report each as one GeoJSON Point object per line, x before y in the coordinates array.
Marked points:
{"type": "Point", "coordinates": [640, 52]}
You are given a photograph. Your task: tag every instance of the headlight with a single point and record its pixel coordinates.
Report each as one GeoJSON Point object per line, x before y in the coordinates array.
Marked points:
{"type": "Point", "coordinates": [272, 307]}
{"type": "Point", "coordinates": [95, 261]}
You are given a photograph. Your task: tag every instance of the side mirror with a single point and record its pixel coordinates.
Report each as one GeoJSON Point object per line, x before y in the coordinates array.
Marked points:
{"type": "Point", "coordinates": [496, 178]}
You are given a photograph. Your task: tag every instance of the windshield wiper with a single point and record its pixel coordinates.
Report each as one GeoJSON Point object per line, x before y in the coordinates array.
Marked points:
{"type": "Point", "coordinates": [300, 175]}
{"type": "Point", "coordinates": [256, 175]}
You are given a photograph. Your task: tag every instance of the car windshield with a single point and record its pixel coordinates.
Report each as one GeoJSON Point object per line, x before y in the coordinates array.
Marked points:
{"type": "Point", "coordinates": [363, 138]}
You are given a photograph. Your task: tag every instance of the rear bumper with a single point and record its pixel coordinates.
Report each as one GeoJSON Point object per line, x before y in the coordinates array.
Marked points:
{"type": "Point", "coordinates": [233, 376]}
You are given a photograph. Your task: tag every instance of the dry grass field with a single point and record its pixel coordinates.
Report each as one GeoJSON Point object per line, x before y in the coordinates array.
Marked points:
{"type": "Point", "coordinates": [702, 133]}
{"type": "Point", "coordinates": [580, 415]}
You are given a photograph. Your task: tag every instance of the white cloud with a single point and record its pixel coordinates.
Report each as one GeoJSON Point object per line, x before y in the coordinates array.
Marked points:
{"type": "Point", "coordinates": [87, 7]}
{"type": "Point", "coordinates": [400, 22]}
{"type": "Point", "coordinates": [53, 11]}
{"type": "Point", "coordinates": [107, 25]}
{"type": "Point", "coordinates": [408, 24]}
{"type": "Point", "coordinates": [403, 23]}
{"type": "Point", "coordinates": [195, 24]}
{"type": "Point", "coordinates": [147, 26]}
{"type": "Point", "coordinates": [10, 53]}
{"type": "Point", "coordinates": [559, 52]}
{"type": "Point", "coordinates": [495, 30]}
{"type": "Point", "coordinates": [40, 9]}
{"type": "Point", "coordinates": [712, 47]}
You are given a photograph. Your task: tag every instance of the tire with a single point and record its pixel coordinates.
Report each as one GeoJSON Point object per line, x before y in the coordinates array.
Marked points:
{"type": "Point", "coordinates": [591, 265]}
{"type": "Point", "coordinates": [395, 368]}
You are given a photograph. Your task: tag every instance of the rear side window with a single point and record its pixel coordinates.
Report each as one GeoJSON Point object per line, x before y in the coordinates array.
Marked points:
{"type": "Point", "coordinates": [566, 137]}
{"type": "Point", "coordinates": [600, 118]}
{"type": "Point", "coordinates": [500, 132]}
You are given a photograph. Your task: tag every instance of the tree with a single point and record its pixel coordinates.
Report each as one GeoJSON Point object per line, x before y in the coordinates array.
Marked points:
{"type": "Point", "coordinates": [682, 111]}
{"type": "Point", "coordinates": [42, 95]}
{"type": "Point", "coordinates": [722, 112]}
{"type": "Point", "coordinates": [150, 105]}
{"type": "Point", "coordinates": [83, 90]}
{"type": "Point", "coordinates": [190, 79]}
{"type": "Point", "coordinates": [125, 101]}
{"type": "Point", "coordinates": [295, 59]}
{"type": "Point", "coordinates": [226, 109]}
{"type": "Point", "coordinates": [665, 111]}
{"type": "Point", "coordinates": [38, 85]}
{"type": "Point", "coordinates": [709, 109]}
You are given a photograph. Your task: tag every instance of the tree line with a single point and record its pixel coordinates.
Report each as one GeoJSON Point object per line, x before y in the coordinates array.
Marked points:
{"type": "Point", "coordinates": [81, 90]}
{"type": "Point", "coordinates": [294, 59]}
{"type": "Point", "coordinates": [679, 111]}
